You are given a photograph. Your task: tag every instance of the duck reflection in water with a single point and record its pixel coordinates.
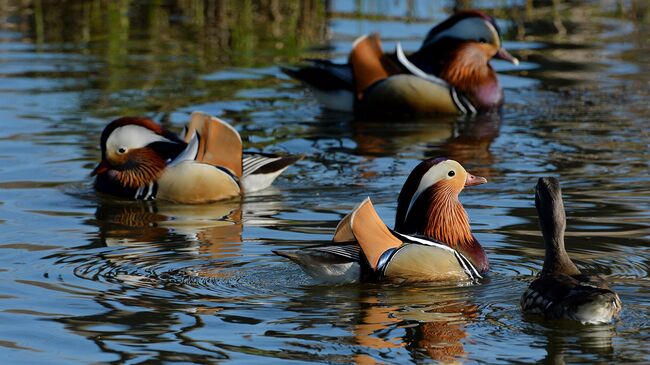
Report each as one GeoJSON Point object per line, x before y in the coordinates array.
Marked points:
{"type": "Point", "coordinates": [472, 138]}
{"type": "Point", "coordinates": [428, 322]}
{"type": "Point", "coordinates": [210, 232]}
{"type": "Point", "coordinates": [471, 141]}
{"type": "Point", "coordinates": [123, 222]}
{"type": "Point", "coordinates": [461, 138]}
{"type": "Point", "coordinates": [566, 341]}
{"type": "Point", "coordinates": [439, 331]}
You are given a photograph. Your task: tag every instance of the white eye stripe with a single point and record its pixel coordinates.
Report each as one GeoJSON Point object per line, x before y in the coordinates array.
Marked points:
{"type": "Point", "coordinates": [435, 174]}
{"type": "Point", "coordinates": [132, 136]}
{"type": "Point", "coordinates": [469, 29]}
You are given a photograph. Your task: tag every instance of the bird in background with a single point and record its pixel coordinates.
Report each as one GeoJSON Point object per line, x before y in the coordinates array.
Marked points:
{"type": "Point", "coordinates": [450, 73]}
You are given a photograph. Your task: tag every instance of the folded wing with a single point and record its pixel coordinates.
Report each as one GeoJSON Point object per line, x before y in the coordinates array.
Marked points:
{"type": "Point", "coordinates": [369, 63]}
{"type": "Point", "coordinates": [219, 143]}
{"type": "Point", "coordinates": [366, 227]}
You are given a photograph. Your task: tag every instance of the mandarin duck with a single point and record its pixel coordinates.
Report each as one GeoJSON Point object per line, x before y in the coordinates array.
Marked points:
{"type": "Point", "coordinates": [432, 239]}
{"type": "Point", "coordinates": [142, 160]}
{"type": "Point", "coordinates": [450, 73]}
{"type": "Point", "coordinates": [561, 291]}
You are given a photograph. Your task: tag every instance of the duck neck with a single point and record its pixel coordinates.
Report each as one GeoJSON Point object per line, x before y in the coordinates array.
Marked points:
{"type": "Point", "coordinates": [468, 70]}
{"type": "Point", "coordinates": [446, 220]}
{"type": "Point", "coordinates": [556, 260]}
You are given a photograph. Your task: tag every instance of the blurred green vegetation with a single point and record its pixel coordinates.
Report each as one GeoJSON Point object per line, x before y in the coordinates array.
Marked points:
{"type": "Point", "coordinates": [216, 30]}
{"type": "Point", "coordinates": [151, 55]}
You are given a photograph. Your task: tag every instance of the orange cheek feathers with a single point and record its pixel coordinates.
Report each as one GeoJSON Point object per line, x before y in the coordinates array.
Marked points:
{"type": "Point", "coordinates": [456, 184]}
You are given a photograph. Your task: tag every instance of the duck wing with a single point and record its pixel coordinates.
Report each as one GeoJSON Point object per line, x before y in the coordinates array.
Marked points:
{"type": "Point", "coordinates": [360, 239]}
{"type": "Point", "coordinates": [584, 298]}
{"type": "Point", "coordinates": [219, 143]}
{"type": "Point", "coordinates": [210, 166]}
{"type": "Point", "coordinates": [337, 253]}
{"type": "Point", "coordinates": [369, 63]}
{"type": "Point", "coordinates": [188, 179]}
{"type": "Point", "coordinates": [365, 226]}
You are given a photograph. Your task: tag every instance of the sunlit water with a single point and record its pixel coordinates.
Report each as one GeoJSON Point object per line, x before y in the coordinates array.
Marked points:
{"type": "Point", "coordinates": [85, 278]}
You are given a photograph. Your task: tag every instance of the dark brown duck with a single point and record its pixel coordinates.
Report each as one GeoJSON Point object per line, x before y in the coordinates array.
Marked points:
{"type": "Point", "coordinates": [561, 291]}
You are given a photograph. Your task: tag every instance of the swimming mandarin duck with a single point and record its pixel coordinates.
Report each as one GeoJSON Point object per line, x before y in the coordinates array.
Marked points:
{"type": "Point", "coordinates": [432, 240]}
{"type": "Point", "coordinates": [561, 291]}
{"type": "Point", "coordinates": [142, 160]}
{"type": "Point", "coordinates": [450, 73]}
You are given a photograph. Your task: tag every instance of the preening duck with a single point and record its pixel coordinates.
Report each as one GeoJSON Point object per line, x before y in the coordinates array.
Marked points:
{"type": "Point", "coordinates": [143, 160]}
{"type": "Point", "coordinates": [432, 240]}
{"type": "Point", "coordinates": [450, 73]}
{"type": "Point", "coordinates": [561, 291]}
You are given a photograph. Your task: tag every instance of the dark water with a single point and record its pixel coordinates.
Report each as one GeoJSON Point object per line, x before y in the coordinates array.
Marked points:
{"type": "Point", "coordinates": [89, 279]}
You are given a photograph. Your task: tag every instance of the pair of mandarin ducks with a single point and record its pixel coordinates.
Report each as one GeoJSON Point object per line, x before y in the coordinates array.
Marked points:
{"type": "Point", "coordinates": [431, 239]}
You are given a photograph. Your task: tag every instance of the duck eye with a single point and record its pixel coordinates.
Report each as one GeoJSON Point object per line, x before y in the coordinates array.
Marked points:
{"type": "Point", "coordinates": [451, 173]}
{"type": "Point", "coordinates": [482, 40]}
{"type": "Point", "coordinates": [121, 150]}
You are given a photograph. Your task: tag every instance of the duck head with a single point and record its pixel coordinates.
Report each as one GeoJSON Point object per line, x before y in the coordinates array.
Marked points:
{"type": "Point", "coordinates": [552, 222]}
{"type": "Point", "coordinates": [459, 50]}
{"type": "Point", "coordinates": [428, 204]}
{"type": "Point", "coordinates": [135, 151]}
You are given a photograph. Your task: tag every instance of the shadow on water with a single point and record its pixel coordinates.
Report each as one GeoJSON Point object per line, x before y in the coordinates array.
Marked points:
{"type": "Point", "coordinates": [567, 342]}
{"type": "Point", "coordinates": [121, 281]}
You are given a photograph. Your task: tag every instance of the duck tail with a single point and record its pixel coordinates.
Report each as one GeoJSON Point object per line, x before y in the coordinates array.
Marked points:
{"type": "Point", "coordinates": [331, 84]}
{"type": "Point", "coordinates": [323, 76]}
{"type": "Point", "coordinates": [597, 306]}
{"type": "Point", "coordinates": [291, 255]}
{"type": "Point", "coordinates": [260, 170]}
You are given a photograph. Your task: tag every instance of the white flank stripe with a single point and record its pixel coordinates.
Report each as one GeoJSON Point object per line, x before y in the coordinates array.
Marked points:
{"type": "Point", "coordinates": [459, 104]}
{"type": "Point", "coordinates": [424, 241]}
{"type": "Point", "coordinates": [189, 153]}
{"type": "Point", "coordinates": [149, 192]}
{"type": "Point", "coordinates": [414, 69]}
{"type": "Point", "coordinates": [470, 265]}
